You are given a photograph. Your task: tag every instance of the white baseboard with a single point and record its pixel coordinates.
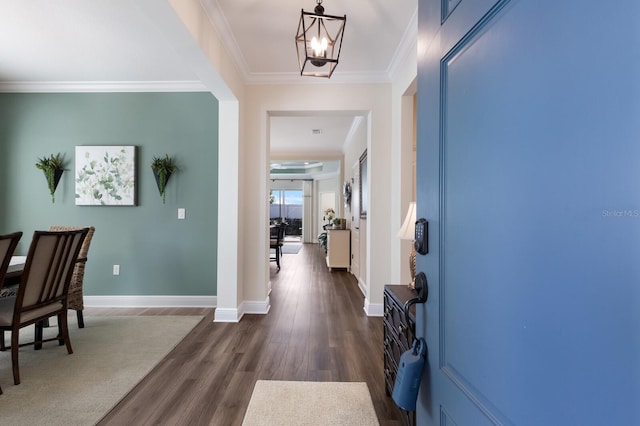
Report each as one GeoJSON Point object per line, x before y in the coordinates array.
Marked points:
{"type": "Point", "coordinates": [226, 315]}
{"type": "Point", "coordinates": [362, 287]}
{"type": "Point", "coordinates": [150, 301]}
{"type": "Point", "coordinates": [256, 306]}
{"type": "Point", "coordinates": [221, 314]}
{"type": "Point", "coordinates": [247, 307]}
{"type": "Point", "coordinates": [373, 309]}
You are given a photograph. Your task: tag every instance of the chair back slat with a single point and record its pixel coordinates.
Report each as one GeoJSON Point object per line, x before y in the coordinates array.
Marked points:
{"type": "Point", "coordinates": [8, 244]}
{"type": "Point", "coordinates": [37, 272]}
{"type": "Point", "coordinates": [48, 268]}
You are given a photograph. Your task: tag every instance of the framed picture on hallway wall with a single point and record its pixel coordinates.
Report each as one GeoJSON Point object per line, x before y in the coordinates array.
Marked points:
{"type": "Point", "coordinates": [364, 190]}
{"type": "Point", "coordinates": [105, 176]}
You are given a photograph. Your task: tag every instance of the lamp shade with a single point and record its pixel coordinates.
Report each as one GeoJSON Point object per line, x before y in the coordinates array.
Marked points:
{"type": "Point", "coordinates": [408, 229]}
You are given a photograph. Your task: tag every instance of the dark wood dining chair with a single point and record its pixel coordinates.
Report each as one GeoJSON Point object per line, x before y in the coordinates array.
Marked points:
{"type": "Point", "coordinates": [43, 290]}
{"type": "Point", "coordinates": [277, 242]}
{"type": "Point", "coordinates": [8, 244]}
{"type": "Point", "coordinates": [76, 298]}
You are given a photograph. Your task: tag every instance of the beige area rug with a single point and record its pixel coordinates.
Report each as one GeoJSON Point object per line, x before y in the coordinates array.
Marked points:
{"type": "Point", "coordinates": [110, 356]}
{"type": "Point", "coordinates": [309, 404]}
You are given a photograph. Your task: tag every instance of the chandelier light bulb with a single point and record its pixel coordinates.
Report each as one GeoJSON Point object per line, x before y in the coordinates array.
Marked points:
{"type": "Point", "coordinates": [319, 47]}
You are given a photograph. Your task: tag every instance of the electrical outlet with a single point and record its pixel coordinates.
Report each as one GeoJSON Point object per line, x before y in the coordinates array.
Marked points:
{"type": "Point", "coordinates": [116, 269]}
{"type": "Point", "coordinates": [181, 213]}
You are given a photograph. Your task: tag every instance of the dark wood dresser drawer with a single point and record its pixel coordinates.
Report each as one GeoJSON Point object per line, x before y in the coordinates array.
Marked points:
{"type": "Point", "coordinates": [398, 337]}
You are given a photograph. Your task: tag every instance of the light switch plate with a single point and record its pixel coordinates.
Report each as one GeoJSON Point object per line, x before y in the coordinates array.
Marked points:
{"type": "Point", "coordinates": [181, 213]}
{"type": "Point", "coordinates": [116, 269]}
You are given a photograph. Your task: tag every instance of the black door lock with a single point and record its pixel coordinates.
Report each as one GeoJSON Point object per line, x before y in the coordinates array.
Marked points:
{"type": "Point", "coordinates": [421, 240]}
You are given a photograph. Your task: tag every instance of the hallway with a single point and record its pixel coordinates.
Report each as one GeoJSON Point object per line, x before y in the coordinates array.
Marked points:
{"type": "Point", "coordinates": [316, 330]}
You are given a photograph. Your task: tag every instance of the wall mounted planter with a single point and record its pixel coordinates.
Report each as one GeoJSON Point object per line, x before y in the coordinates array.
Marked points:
{"type": "Point", "coordinates": [162, 168]}
{"type": "Point", "coordinates": [52, 167]}
{"type": "Point", "coordinates": [162, 184]}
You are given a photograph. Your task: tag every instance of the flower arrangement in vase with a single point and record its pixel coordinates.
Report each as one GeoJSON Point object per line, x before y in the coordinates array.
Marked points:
{"type": "Point", "coordinates": [329, 215]}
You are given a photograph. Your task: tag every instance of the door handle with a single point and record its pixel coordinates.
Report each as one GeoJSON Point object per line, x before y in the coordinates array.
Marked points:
{"type": "Point", "coordinates": [422, 289]}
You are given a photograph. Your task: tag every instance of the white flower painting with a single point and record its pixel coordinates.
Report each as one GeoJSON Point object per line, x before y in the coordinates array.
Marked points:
{"type": "Point", "coordinates": [105, 175]}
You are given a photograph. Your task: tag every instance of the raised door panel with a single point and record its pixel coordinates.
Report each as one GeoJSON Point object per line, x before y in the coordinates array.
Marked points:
{"type": "Point", "coordinates": [528, 172]}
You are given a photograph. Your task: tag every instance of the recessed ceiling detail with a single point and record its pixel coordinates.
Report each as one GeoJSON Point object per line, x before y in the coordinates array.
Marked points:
{"type": "Point", "coordinates": [304, 169]}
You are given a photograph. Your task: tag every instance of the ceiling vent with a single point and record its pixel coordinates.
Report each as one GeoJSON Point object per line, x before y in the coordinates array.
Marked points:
{"type": "Point", "coordinates": [316, 131]}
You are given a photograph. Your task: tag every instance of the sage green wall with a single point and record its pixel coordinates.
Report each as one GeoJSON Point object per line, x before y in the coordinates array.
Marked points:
{"type": "Point", "coordinates": [157, 253]}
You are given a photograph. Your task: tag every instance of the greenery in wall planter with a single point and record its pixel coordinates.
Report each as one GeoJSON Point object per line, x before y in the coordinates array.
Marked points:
{"type": "Point", "coordinates": [162, 168]}
{"type": "Point", "coordinates": [52, 167]}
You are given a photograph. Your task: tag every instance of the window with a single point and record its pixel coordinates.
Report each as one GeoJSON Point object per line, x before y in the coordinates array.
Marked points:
{"type": "Point", "coordinates": [286, 205]}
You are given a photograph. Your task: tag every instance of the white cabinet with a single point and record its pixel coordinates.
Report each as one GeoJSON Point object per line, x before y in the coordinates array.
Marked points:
{"type": "Point", "coordinates": [338, 248]}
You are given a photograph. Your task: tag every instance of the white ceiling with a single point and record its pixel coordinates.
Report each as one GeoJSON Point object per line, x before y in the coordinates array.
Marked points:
{"type": "Point", "coordinates": [324, 134]}
{"type": "Point", "coordinates": [120, 40]}
{"type": "Point", "coordinates": [84, 41]}
{"type": "Point", "coordinates": [51, 42]}
{"type": "Point", "coordinates": [262, 35]}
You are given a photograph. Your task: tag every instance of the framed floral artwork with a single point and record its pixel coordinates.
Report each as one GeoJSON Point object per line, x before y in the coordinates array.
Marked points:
{"type": "Point", "coordinates": [105, 175]}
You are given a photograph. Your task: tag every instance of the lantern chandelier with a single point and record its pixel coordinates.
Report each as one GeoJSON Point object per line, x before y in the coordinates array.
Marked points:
{"type": "Point", "coordinates": [318, 42]}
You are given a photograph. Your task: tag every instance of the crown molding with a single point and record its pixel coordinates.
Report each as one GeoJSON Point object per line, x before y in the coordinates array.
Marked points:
{"type": "Point", "coordinates": [294, 78]}
{"type": "Point", "coordinates": [355, 125]}
{"type": "Point", "coordinates": [100, 86]}
{"type": "Point", "coordinates": [223, 29]}
{"type": "Point", "coordinates": [408, 46]}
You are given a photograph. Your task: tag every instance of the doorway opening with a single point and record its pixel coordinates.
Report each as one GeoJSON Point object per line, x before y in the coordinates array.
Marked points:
{"type": "Point", "coordinates": [286, 205]}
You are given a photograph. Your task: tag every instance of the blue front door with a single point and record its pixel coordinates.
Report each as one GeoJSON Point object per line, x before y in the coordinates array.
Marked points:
{"type": "Point", "coordinates": [529, 175]}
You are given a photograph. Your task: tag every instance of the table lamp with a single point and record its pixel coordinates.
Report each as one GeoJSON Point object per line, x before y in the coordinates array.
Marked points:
{"type": "Point", "coordinates": [407, 232]}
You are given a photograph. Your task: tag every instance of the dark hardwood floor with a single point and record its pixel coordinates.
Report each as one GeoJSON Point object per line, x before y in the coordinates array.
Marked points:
{"type": "Point", "coordinates": [316, 330]}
